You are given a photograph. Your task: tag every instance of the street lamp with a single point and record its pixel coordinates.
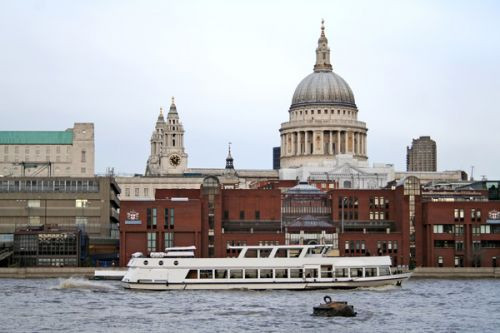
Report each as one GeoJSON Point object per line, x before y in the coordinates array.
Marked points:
{"type": "Point", "coordinates": [342, 214]}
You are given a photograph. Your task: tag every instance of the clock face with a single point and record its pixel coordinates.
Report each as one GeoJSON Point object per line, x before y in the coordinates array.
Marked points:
{"type": "Point", "coordinates": [175, 160]}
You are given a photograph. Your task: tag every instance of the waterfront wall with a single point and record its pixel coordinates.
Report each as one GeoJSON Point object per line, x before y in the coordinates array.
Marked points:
{"type": "Point", "coordinates": [456, 272]}
{"type": "Point", "coordinates": [46, 272]}
{"type": "Point", "coordinates": [419, 272]}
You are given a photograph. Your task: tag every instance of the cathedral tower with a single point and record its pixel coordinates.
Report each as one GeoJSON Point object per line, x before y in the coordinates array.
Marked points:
{"type": "Point", "coordinates": [167, 145]}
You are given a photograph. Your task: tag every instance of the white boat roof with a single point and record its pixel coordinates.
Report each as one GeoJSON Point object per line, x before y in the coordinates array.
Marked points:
{"type": "Point", "coordinates": [181, 248]}
{"type": "Point", "coordinates": [288, 247]}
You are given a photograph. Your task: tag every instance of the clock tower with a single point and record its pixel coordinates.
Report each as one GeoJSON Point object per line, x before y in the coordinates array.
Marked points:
{"type": "Point", "coordinates": [167, 145]}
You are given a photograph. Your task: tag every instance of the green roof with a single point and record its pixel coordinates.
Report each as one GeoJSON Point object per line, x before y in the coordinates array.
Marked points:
{"type": "Point", "coordinates": [36, 137]}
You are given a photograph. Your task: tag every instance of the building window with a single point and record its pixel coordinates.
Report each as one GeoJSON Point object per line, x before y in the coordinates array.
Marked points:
{"type": "Point", "coordinates": [151, 241]}
{"type": "Point", "coordinates": [476, 231]}
{"type": "Point", "coordinates": [459, 229]}
{"type": "Point", "coordinates": [136, 192]}
{"type": "Point", "coordinates": [257, 215]}
{"type": "Point", "coordinates": [440, 261]}
{"type": "Point", "coordinates": [33, 203]}
{"type": "Point", "coordinates": [459, 214]}
{"type": "Point", "coordinates": [165, 216]}
{"type": "Point", "coordinates": [169, 239]}
{"type": "Point", "coordinates": [81, 203]}
{"type": "Point", "coordinates": [146, 192]}
{"type": "Point", "coordinates": [475, 215]}
{"type": "Point", "coordinates": [242, 214]}
{"type": "Point", "coordinates": [172, 218]}
{"type": "Point", "coordinates": [226, 215]}
{"type": "Point", "coordinates": [34, 220]}
{"type": "Point", "coordinates": [151, 217]}
{"type": "Point", "coordinates": [459, 245]}
{"type": "Point", "coordinates": [84, 156]}
{"type": "Point", "coordinates": [127, 192]}
{"type": "Point", "coordinates": [485, 229]}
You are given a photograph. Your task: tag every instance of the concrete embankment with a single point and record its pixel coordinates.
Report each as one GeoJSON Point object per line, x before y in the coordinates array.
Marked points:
{"type": "Point", "coordinates": [456, 272]}
{"type": "Point", "coordinates": [419, 272]}
{"type": "Point", "coordinates": [46, 272]}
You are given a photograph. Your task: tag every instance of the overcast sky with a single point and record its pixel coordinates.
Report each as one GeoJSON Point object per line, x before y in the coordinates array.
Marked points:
{"type": "Point", "coordinates": [415, 67]}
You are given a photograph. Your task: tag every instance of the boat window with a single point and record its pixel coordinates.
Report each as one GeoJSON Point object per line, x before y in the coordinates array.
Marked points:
{"type": "Point", "coordinates": [206, 274]}
{"type": "Point", "coordinates": [266, 273]}
{"type": "Point", "coordinates": [341, 272]}
{"type": "Point", "coordinates": [145, 262]}
{"type": "Point", "coordinates": [251, 253]}
{"type": "Point", "coordinates": [281, 253]}
{"type": "Point", "coordinates": [296, 273]}
{"type": "Point", "coordinates": [311, 273]}
{"type": "Point", "coordinates": [372, 271]}
{"type": "Point", "coordinates": [236, 274]}
{"type": "Point", "coordinates": [294, 253]}
{"type": "Point", "coordinates": [192, 274]}
{"type": "Point", "coordinates": [176, 263]}
{"type": "Point", "coordinates": [314, 250]}
{"type": "Point", "coordinates": [384, 270]}
{"type": "Point", "coordinates": [281, 273]}
{"type": "Point", "coordinates": [221, 273]}
{"type": "Point", "coordinates": [250, 273]}
{"type": "Point", "coordinates": [356, 272]}
{"type": "Point", "coordinates": [160, 262]}
{"type": "Point", "coordinates": [264, 253]}
{"type": "Point", "coordinates": [326, 271]}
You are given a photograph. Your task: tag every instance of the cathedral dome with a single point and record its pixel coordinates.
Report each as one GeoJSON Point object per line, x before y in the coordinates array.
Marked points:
{"type": "Point", "coordinates": [323, 87]}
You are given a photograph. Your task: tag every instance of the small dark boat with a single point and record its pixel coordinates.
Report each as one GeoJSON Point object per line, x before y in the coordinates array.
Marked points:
{"type": "Point", "coordinates": [334, 309]}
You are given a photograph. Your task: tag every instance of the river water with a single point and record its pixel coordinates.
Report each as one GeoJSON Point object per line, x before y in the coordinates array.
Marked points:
{"type": "Point", "coordinates": [78, 305]}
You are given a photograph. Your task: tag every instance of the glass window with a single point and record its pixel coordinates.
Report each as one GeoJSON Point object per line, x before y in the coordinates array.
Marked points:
{"type": "Point", "coordinates": [206, 274]}
{"type": "Point", "coordinates": [192, 274]}
{"type": "Point", "coordinates": [281, 273]}
{"type": "Point", "coordinates": [356, 272]}
{"type": "Point", "coordinates": [236, 274]}
{"type": "Point", "coordinates": [266, 273]}
{"type": "Point", "coordinates": [221, 273]}
{"type": "Point", "coordinates": [172, 218]}
{"type": "Point", "coordinates": [146, 191]}
{"type": "Point", "coordinates": [296, 273]}
{"type": "Point", "coordinates": [127, 192]}
{"type": "Point", "coordinates": [169, 239]}
{"type": "Point", "coordinates": [485, 229]}
{"type": "Point", "coordinates": [81, 203]}
{"type": "Point", "coordinates": [242, 214]}
{"type": "Point", "coordinates": [34, 203]}
{"type": "Point", "coordinates": [250, 273]}
{"type": "Point", "coordinates": [154, 216]}
{"type": "Point", "coordinates": [151, 241]}
{"type": "Point", "coordinates": [136, 192]}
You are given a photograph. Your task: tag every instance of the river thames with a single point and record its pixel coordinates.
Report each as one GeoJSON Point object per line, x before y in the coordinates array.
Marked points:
{"type": "Point", "coordinates": [78, 305]}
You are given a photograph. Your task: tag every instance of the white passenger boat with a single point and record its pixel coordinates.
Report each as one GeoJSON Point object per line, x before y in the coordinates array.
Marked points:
{"type": "Point", "coordinates": [259, 267]}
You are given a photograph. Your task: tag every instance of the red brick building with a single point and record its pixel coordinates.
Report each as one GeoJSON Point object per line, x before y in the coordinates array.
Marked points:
{"type": "Point", "coordinates": [415, 227]}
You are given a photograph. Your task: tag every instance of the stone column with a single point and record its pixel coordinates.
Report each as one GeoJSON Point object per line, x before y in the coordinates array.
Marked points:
{"type": "Point", "coordinates": [299, 145]}
{"type": "Point", "coordinates": [346, 141]}
{"type": "Point", "coordinates": [330, 144]}
{"type": "Point", "coordinates": [338, 142]}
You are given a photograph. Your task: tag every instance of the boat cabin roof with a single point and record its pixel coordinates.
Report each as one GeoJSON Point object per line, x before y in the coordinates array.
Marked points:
{"type": "Point", "coordinates": [282, 251]}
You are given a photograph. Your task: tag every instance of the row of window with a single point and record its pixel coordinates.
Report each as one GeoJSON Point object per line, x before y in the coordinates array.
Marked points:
{"type": "Point", "coordinates": [459, 245]}
{"type": "Point", "coordinates": [48, 149]}
{"type": "Point", "coordinates": [168, 218]}
{"type": "Point", "coordinates": [458, 229]}
{"type": "Point", "coordinates": [242, 215]}
{"type": "Point", "coordinates": [137, 192]}
{"type": "Point", "coordinates": [49, 185]}
{"type": "Point", "coordinates": [326, 271]}
{"type": "Point", "coordinates": [318, 112]}
{"type": "Point", "coordinates": [459, 214]}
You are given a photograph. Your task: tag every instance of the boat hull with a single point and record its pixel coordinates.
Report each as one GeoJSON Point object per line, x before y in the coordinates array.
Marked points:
{"type": "Point", "coordinates": [391, 280]}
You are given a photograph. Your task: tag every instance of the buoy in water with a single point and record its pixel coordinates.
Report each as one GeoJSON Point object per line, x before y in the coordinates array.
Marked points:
{"type": "Point", "coordinates": [334, 309]}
